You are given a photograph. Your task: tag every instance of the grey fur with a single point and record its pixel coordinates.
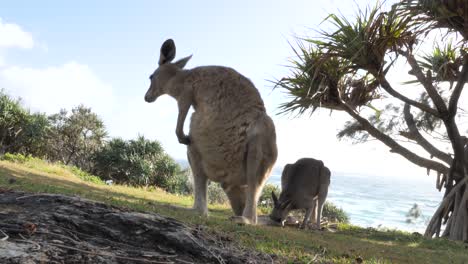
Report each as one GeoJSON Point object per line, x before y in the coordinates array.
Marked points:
{"type": "Point", "coordinates": [304, 185]}
{"type": "Point", "coordinates": [232, 140]}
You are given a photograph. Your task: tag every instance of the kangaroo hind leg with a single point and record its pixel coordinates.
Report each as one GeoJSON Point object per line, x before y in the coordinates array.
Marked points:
{"type": "Point", "coordinates": [322, 196]}
{"type": "Point", "coordinates": [200, 181]}
{"type": "Point", "coordinates": [236, 195]}
{"type": "Point", "coordinates": [259, 160]}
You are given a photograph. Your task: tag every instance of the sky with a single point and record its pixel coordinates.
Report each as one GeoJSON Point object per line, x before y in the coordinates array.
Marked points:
{"type": "Point", "coordinates": [58, 54]}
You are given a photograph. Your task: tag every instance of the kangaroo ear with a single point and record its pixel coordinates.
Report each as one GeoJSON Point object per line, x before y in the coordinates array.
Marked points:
{"type": "Point", "coordinates": [168, 52]}
{"type": "Point", "coordinates": [182, 62]}
{"type": "Point", "coordinates": [275, 199]}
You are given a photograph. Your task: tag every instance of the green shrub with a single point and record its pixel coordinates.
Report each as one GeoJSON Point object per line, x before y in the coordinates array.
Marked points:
{"type": "Point", "coordinates": [84, 175]}
{"type": "Point", "coordinates": [265, 202]}
{"type": "Point", "coordinates": [138, 162]}
{"type": "Point", "coordinates": [21, 131]}
{"type": "Point", "coordinates": [18, 158]}
{"type": "Point", "coordinates": [179, 183]}
{"type": "Point", "coordinates": [75, 137]}
{"type": "Point", "coordinates": [35, 162]}
{"type": "Point", "coordinates": [332, 212]}
{"type": "Point", "coordinates": [216, 194]}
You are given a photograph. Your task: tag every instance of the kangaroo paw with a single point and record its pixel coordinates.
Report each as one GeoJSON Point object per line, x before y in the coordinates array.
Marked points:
{"type": "Point", "coordinates": [184, 140]}
{"type": "Point", "coordinates": [241, 220]}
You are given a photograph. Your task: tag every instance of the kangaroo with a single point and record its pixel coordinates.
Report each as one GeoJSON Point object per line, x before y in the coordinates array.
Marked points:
{"type": "Point", "coordinates": [231, 139]}
{"type": "Point", "coordinates": [304, 185]}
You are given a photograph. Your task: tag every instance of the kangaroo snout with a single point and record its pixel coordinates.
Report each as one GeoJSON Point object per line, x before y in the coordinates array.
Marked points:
{"type": "Point", "coordinates": [149, 97]}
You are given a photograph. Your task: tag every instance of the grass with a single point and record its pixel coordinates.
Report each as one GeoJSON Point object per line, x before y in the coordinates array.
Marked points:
{"type": "Point", "coordinates": [296, 246]}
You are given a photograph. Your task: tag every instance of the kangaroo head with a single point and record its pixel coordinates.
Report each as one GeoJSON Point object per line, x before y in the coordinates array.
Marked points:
{"type": "Point", "coordinates": [280, 209]}
{"type": "Point", "coordinates": [165, 72]}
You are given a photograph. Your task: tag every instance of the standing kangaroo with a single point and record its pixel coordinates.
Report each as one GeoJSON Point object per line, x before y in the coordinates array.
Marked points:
{"type": "Point", "coordinates": [304, 185]}
{"type": "Point", "coordinates": [231, 141]}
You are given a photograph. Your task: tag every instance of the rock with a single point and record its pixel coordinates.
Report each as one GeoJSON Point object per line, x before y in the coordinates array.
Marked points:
{"type": "Point", "coordinates": [46, 228]}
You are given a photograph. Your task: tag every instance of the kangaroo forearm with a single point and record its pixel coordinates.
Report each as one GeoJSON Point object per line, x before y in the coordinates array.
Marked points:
{"type": "Point", "coordinates": [183, 110]}
{"type": "Point", "coordinates": [180, 121]}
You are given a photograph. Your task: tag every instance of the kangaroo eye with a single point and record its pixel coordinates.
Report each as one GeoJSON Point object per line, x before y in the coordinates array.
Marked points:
{"type": "Point", "coordinates": [151, 77]}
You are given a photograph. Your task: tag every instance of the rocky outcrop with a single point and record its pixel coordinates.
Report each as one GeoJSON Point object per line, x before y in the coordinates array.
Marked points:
{"type": "Point", "coordinates": [47, 228]}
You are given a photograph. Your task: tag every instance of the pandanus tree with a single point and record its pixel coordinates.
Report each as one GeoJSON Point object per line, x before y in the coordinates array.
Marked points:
{"type": "Point", "coordinates": [348, 68]}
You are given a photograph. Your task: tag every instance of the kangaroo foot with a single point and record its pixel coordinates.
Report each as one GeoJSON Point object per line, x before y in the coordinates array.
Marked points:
{"type": "Point", "coordinates": [200, 211]}
{"type": "Point", "coordinates": [241, 220]}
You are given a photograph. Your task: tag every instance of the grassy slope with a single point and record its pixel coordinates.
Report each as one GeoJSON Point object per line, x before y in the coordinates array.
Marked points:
{"type": "Point", "coordinates": [340, 247]}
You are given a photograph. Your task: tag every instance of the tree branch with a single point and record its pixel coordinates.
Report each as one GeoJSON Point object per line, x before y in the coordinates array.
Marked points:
{"type": "Point", "coordinates": [393, 145]}
{"type": "Point", "coordinates": [458, 167]}
{"type": "Point", "coordinates": [425, 144]}
{"type": "Point", "coordinates": [426, 82]}
{"type": "Point", "coordinates": [462, 79]}
{"type": "Point", "coordinates": [389, 89]}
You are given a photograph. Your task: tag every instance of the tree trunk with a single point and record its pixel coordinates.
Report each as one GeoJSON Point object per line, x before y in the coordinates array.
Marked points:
{"type": "Point", "coordinates": [454, 207]}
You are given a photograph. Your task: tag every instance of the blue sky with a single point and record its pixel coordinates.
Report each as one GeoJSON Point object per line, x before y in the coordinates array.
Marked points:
{"type": "Point", "coordinates": [100, 53]}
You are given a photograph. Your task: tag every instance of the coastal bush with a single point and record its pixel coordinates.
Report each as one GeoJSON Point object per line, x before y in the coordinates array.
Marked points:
{"type": "Point", "coordinates": [334, 213]}
{"type": "Point", "coordinates": [139, 162]}
{"type": "Point", "coordinates": [216, 194]}
{"type": "Point", "coordinates": [21, 131]}
{"type": "Point", "coordinates": [265, 203]}
{"type": "Point", "coordinates": [75, 137]}
{"type": "Point", "coordinates": [85, 176]}
{"type": "Point", "coordinates": [413, 214]}
{"type": "Point", "coordinates": [34, 137]}
{"type": "Point", "coordinates": [49, 167]}
{"type": "Point", "coordinates": [179, 183]}
{"type": "Point", "coordinates": [18, 158]}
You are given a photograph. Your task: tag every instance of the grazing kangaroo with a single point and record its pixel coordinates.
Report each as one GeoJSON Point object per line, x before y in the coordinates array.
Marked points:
{"type": "Point", "coordinates": [231, 141]}
{"type": "Point", "coordinates": [304, 185]}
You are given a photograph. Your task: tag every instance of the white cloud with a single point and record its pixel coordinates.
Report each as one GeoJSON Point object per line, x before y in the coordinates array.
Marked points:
{"type": "Point", "coordinates": [48, 89]}
{"type": "Point", "coordinates": [52, 88]}
{"type": "Point", "coordinates": [13, 36]}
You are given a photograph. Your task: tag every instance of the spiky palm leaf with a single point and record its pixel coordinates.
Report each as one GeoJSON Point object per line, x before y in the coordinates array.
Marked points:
{"type": "Point", "coordinates": [312, 83]}
{"type": "Point", "coordinates": [327, 70]}
{"type": "Point", "coordinates": [365, 41]}
{"type": "Point", "coordinates": [450, 14]}
{"type": "Point", "coordinates": [318, 80]}
{"type": "Point", "coordinates": [443, 62]}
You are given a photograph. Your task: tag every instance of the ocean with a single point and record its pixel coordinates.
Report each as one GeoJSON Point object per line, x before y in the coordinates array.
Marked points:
{"type": "Point", "coordinates": [382, 202]}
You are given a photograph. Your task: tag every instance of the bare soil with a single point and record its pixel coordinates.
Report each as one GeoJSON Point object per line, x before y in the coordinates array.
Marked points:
{"type": "Point", "coordinates": [49, 228]}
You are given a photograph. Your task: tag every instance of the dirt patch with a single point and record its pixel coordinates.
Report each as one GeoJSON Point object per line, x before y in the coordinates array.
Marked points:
{"type": "Point", "coordinates": [46, 228]}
